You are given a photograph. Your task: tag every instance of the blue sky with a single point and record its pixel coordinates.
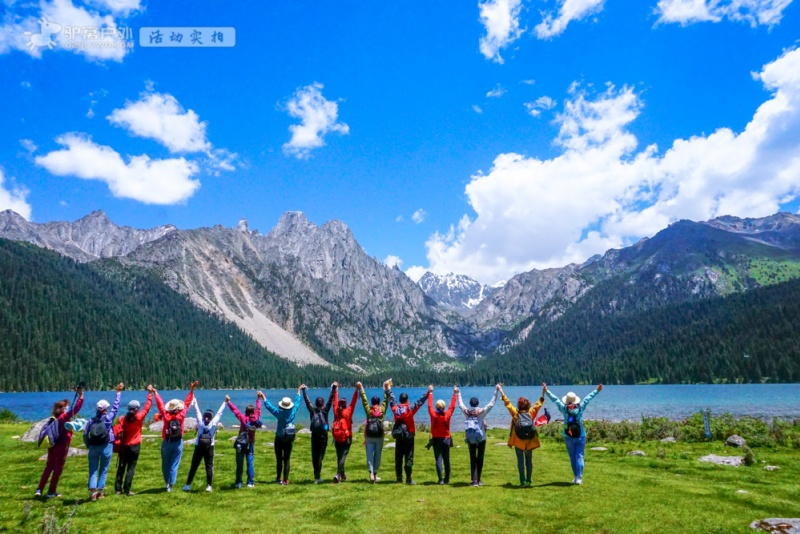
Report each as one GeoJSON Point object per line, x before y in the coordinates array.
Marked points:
{"type": "Point", "coordinates": [522, 134]}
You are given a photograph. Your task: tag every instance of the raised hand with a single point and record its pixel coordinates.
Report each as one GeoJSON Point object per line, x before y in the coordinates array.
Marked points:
{"type": "Point", "coordinates": [149, 388]}
{"type": "Point", "coordinates": [194, 385]}
{"type": "Point", "coordinates": [227, 398]}
{"type": "Point", "coordinates": [455, 389]}
{"type": "Point", "coordinates": [544, 386]}
{"type": "Point", "coordinates": [260, 395]}
{"type": "Point", "coordinates": [303, 386]}
{"type": "Point", "coordinates": [497, 387]}
{"type": "Point", "coordinates": [335, 385]}
{"type": "Point", "coordinates": [599, 387]}
{"type": "Point", "coordinates": [120, 387]}
{"type": "Point", "coordinates": [430, 388]}
{"type": "Point", "coordinates": [386, 384]}
{"type": "Point", "coordinates": [359, 385]}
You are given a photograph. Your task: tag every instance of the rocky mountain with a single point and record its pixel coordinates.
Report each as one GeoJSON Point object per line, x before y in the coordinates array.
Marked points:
{"type": "Point", "coordinates": [454, 291]}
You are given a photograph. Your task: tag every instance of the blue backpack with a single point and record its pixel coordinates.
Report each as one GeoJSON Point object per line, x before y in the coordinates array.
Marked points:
{"type": "Point", "coordinates": [474, 431]}
{"type": "Point", "coordinates": [50, 432]}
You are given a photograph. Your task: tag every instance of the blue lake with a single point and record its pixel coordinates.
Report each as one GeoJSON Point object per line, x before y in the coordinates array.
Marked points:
{"type": "Point", "coordinates": [614, 403]}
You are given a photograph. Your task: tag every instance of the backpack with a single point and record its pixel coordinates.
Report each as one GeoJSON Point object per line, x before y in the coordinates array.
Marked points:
{"type": "Point", "coordinates": [573, 426]}
{"type": "Point", "coordinates": [400, 431]}
{"type": "Point", "coordinates": [205, 439]}
{"type": "Point", "coordinates": [174, 430]}
{"type": "Point", "coordinates": [319, 425]}
{"type": "Point", "coordinates": [374, 427]}
{"type": "Point", "coordinates": [524, 427]}
{"type": "Point", "coordinates": [49, 431]}
{"type": "Point", "coordinates": [340, 433]}
{"type": "Point", "coordinates": [98, 432]}
{"type": "Point", "coordinates": [289, 433]}
{"type": "Point", "coordinates": [474, 431]}
{"type": "Point", "coordinates": [242, 443]}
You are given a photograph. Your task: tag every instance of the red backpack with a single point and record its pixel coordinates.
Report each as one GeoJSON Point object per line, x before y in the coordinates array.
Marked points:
{"type": "Point", "coordinates": [340, 430]}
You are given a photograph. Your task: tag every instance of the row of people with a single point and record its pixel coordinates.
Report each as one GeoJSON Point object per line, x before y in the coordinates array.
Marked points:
{"type": "Point", "coordinates": [103, 437]}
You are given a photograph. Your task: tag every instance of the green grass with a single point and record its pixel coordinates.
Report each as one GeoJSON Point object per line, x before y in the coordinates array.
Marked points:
{"type": "Point", "coordinates": [621, 493]}
{"type": "Point", "coordinates": [769, 271]}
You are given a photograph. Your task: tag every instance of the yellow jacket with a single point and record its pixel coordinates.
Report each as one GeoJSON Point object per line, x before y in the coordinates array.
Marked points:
{"type": "Point", "coordinates": [513, 440]}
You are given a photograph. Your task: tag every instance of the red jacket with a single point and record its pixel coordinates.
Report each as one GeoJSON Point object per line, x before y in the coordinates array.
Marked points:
{"type": "Point", "coordinates": [440, 423]}
{"type": "Point", "coordinates": [168, 416]}
{"type": "Point", "coordinates": [343, 418]}
{"type": "Point", "coordinates": [132, 430]}
{"type": "Point", "coordinates": [245, 420]}
{"type": "Point", "coordinates": [404, 413]}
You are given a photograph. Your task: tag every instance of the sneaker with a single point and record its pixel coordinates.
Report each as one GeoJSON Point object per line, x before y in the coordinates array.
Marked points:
{"type": "Point", "coordinates": [318, 481]}
{"type": "Point", "coordinates": [441, 482]}
{"type": "Point", "coordinates": [372, 478]}
{"type": "Point", "coordinates": [527, 483]}
{"type": "Point", "coordinates": [238, 485]}
{"type": "Point", "coordinates": [578, 481]}
{"type": "Point", "coordinates": [447, 481]}
{"type": "Point", "coordinates": [251, 485]}
{"type": "Point", "coordinates": [100, 496]}
{"type": "Point", "coordinates": [411, 482]}
{"type": "Point", "coordinates": [480, 483]}
{"type": "Point", "coordinates": [208, 489]}
{"type": "Point", "coordinates": [377, 478]}
{"type": "Point", "coordinates": [344, 478]}
{"type": "Point", "coordinates": [399, 480]}
{"type": "Point", "coordinates": [187, 487]}
{"type": "Point", "coordinates": [284, 482]}
{"type": "Point", "coordinates": [38, 493]}
{"type": "Point", "coordinates": [117, 493]}
{"type": "Point", "coordinates": [474, 484]}
{"type": "Point", "coordinates": [278, 481]}
{"type": "Point", "coordinates": [169, 488]}
{"type": "Point", "coordinates": [53, 495]}
{"type": "Point", "coordinates": [130, 494]}
{"type": "Point", "coordinates": [336, 479]}
{"type": "Point", "coordinates": [574, 480]}
{"type": "Point", "coordinates": [93, 496]}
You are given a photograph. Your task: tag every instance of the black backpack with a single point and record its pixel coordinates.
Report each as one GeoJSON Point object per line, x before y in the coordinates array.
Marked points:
{"type": "Point", "coordinates": [205, 438]}
{"type": "Point", "coordinates": [98, 432]}
{"type": "Point", "coordinates": [573, 426]}
{"type": "Point", "coordinates": [242, 443]}
{"type": "Point", "coordinates": [400, 431]}
{"type": "Point", "coordinates": [319, 425]}
{"type": "Point", "coordinates": [174, 430]}
{"type": "Point", "coordinates": [524, 427]}
{"type": "Point", "coordinates": [374, 427]}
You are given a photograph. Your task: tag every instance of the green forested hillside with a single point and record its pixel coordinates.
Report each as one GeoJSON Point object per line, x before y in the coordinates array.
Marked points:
{"type": "Point", "coordinates": [61, 322]}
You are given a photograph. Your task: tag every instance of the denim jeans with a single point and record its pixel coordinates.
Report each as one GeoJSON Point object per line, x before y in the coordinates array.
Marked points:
{"type": "Point", "coordinates": [251, 472]}
{"type": "Point", "coordinates": [524, 465]}
{"type": "Point", "coordinates": [374, 450]}
{"type": "Point", "coordinates": [575, 448]}
{"type": "Point", "coordinates": [171, 452]}
{"type": "Point", "coordinates": [99, 461]}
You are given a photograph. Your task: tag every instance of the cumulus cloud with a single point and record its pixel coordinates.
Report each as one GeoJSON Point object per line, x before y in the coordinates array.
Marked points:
{"type": "Point", "coordinates": [152, 181]}
{"type": "Point", "coordinates": [603, 191]}
{"type": "Point", "coordinates": [753, 12]}
{"type": "Point", "coordinates": [500, 18]}
{"type": "Point", "coordinates": [496, 92]}
{"type": "Point", "coordinates": [553, 25]}
{"type": "Point", "coordinates": [419, 216]}
{"type": "Point", "coordinates": [67, 21]}
{"type": "Point", "coordinates": [318, 117]}
{"type": "Point", "coordinates": [162, 118]}
{"type": "Point", "coordinates": [393, 261]}
{"type": "Point", "coordinates": [416, 272]}
{"type": "Point", "coordinates": [543, 103]}
{"type": "Point", "coordinates": [14, 198]}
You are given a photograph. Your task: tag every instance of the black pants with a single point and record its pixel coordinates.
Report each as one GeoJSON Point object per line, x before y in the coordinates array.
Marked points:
{"type": "Point", "coordinates": [319, 444]}
{"type": "Point", "coordinates": [283, 453]}
{"type": "Point", "coordinates": [205, 453]}
{"type": "Point", "coordinates": [441, 451]}
{"type": "Point", "coordinates": [341, 455]}
{"type": "Point", "coordinates": [404, 457]}
{"type": "Point", "coordinates": [476, 452]}
{"type": "Point", "coordinates": [128, 457]}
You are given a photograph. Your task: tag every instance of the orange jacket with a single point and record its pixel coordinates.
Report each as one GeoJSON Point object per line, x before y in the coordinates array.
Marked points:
{"type": "Point", "coordinates": [513, 440]}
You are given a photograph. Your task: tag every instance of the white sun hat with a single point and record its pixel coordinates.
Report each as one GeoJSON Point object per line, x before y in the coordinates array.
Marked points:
{"type": "Point", "coordinates": [571, 398]}
{"type": "Point", "coordinates": [175, 405]}
{"type": "Point", "coordinates": [286, 403]}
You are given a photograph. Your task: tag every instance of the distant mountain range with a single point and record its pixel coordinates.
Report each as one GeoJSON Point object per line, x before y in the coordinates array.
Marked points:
{"type": "Point", "coordinates": [311, 295]}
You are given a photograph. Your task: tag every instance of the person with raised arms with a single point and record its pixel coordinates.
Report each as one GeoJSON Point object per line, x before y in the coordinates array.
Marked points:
{"type": "Point", "coordinates": [98, 435]}
{"type": "Point", "coordinates": [204, 444]}
{"type": "Point", "coordinates": [342, 430]}
{"type": "Point", "coordinates": [373, 428]}
{"type": "Point", "coordinates": [59, 437]}
{"type": "Point", "coordinates": [475, 432]}
{"type": "Point", "coordinates": [245, 443]}
{"type": "Point", "coordinates": [284, 434]}
{"type": "Point", "coordinates": [440, 433]}
{"type": "Point", "coordinates": [130, 444]}
{"type": "Point", "coordinates": [404, 431]}
{"type": "Point", "coordinates": [173, 415]}
{"type": "Point", "coordinates": [571, 407]}
{"type": "Point", "coordinates": [523, 436]}
{"type": "Point", "coordinates": [318, 413]}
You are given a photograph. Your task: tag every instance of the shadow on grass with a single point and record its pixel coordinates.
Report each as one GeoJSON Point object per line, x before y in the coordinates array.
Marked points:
{"type": "Point", "coordinates": [555, 484]}
{"type": "Point", "coordinates": [151, 491]}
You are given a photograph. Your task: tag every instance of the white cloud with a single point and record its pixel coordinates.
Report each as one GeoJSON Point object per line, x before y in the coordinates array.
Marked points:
{"type": "Point", "coordinates": [28, 145]}
{"type": "Point", "coordinates": [25, 84]}
{"type": "Point", "coordinates": [162, 118]}
{"type": "Point", "coordinates": [528, 82]}
{"type": "Point", "coordinates": [393, 261]}
{"type": "Point", "coordinates": [159, 181]}
{"type": "Point", "coordinates": [754, 12]}
{"type": "Point", "coordinates": [416, 272]}
{"type": "Point", "coordinates": [317, 117]}
{"type": "Point", "coordinates": [399, 218]}
{"type": "Point", "coordinates": [496, 92]}
{"type": "Point", "coordinates": [603, 191]}
{"type": "Point", "coordinates": [500, 18]}
{"type": "Point", "coordinates": [554, 25]}
{"type": "Point", "coordinates": [122, 7]}
{"type": "Point", "coordinates": [419, 216]}
{"type": "Point", "coordinates": [477, 109]}
{"type": "Point", "coordinates": [543, 103]}
{"type": "Point", "coordinates": [14, 198]}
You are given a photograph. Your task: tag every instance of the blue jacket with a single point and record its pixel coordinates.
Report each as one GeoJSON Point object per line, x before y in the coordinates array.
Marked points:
{"type": "Point", "coordinates": [285, 417]}
{"type": "Point", "coordinates": [109, 416]}
{"type": "Point", "coordinates": [578, 412]}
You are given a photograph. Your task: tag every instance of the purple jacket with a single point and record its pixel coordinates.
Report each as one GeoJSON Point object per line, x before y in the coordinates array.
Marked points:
{"type": "Point", "coordinates": [109, 416]}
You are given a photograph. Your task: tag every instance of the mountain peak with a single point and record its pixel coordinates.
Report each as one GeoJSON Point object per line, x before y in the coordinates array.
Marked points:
{"type": "Point", "coordinates": [293, 221]}
{"type": "Point", "coordinates": [242, 226]}
{"type": "Point", "coordinates": [456, 291]}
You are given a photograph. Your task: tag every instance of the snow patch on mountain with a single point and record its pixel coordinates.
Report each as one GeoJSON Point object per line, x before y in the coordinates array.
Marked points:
{"type": "Point", "coordinates": [455, 291]}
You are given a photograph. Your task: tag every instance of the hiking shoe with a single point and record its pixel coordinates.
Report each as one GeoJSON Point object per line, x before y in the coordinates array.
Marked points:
{"type": "Point", "coordinates": [251, 485]}
{"type": "Point", "coordinates": [208, 489]}
{"type": "Point", "coordinates": [187, 487]}
{"type": "Point", "coordinates": [578, 481]}
{"type": "Point", "coordinates": [38, 493]}
{"type": "Point", "coordinates": [53, 495]}
{"type": "Point", "coordinates": [411, 482]}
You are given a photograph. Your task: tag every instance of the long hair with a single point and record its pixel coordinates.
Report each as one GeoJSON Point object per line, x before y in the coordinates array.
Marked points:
{"type": "Point", "coordinates": [59, 407]}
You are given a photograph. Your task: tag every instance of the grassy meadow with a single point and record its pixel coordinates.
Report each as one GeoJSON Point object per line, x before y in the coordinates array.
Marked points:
{"type": "Point", "coordinates": [669, 490]}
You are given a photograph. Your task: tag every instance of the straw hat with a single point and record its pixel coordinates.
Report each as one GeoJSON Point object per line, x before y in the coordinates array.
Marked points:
{"type": "Point", "coordinates": [175, 405]}
{"type": "Point", "coordinates": [571, 398]}
{"type": "Point", "coordinates": [286, 403]}
{"type": "Point", "coordinates": [440, 404]}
